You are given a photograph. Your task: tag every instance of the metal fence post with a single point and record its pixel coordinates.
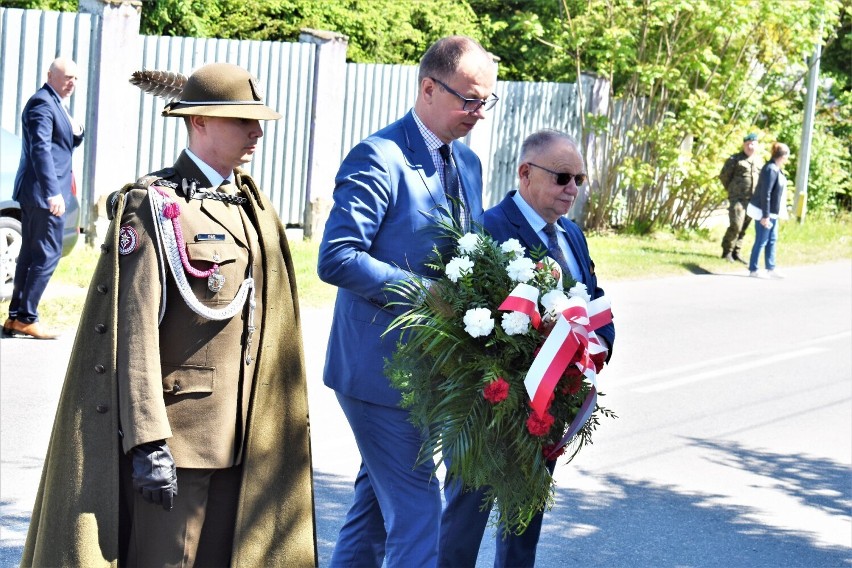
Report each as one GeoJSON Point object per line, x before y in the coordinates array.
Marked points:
{"type": "Point", "coordinates": [326, 118]}
{"type": "Point", "coordinates": [111, 152]}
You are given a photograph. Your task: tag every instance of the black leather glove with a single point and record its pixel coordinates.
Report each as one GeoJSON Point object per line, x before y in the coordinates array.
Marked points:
{"type": "Point", "coordinates": [154, 473]}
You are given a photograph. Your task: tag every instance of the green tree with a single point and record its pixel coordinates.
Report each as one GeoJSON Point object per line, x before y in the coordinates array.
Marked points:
{"type": "Point", "coordinates": [379, 31]}
{"type": "Point", "coordinates": [687, 78]}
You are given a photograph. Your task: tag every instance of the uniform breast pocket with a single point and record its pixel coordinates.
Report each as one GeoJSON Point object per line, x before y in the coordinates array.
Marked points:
{"type": "Point", "coordinates": [188, 379]}
{"type": "Point", "coordinates": [231, 260]}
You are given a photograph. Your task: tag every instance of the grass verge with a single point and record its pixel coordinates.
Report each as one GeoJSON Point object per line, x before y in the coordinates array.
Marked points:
{"type": "Point", "coordinates": [616, 257]}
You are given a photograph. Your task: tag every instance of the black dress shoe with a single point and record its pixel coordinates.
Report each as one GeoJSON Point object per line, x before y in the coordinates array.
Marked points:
{"type": "Point", "coordinates": [738, 258]}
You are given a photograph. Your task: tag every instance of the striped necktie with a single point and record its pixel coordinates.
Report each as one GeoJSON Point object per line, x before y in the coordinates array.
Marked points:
{"type": "Point", "coordinates": [554, 249]}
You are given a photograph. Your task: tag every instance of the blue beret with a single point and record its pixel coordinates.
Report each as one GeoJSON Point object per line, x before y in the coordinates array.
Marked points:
{"type": "Point", "coordinates": [750, 138]}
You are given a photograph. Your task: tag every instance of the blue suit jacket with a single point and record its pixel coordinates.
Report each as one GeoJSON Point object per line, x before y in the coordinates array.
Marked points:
{"type": "Point", "coordinates": [381, 229]}
{"type": "Point", "coordinates": [48, 142]}
{"type": "Point", "coordinates": [505, 221]}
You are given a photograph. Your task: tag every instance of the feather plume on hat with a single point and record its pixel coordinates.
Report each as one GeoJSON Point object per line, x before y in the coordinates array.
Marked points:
{"type": "Point", "coordinates": [166, 84]}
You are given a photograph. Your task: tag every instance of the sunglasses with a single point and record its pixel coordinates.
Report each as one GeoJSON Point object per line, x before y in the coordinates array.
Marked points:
{"type": "Point", "coordinates": [563, 178]}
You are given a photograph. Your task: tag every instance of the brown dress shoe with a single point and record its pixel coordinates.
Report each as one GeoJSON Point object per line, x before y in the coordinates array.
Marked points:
{"type": "Point", "coordinates": [7, 327]}
{"type": "Point", "coordinates": [29, 329]}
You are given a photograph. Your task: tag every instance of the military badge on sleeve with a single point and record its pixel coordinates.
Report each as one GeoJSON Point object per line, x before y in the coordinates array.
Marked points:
{"type": "Point", "coordinates": [128, 240]}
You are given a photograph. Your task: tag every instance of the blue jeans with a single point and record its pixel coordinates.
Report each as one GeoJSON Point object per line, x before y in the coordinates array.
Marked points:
{"type": "Point", "coordinates": [764, 239]}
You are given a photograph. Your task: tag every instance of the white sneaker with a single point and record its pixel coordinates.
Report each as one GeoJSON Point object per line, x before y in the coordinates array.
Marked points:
{"type": "Point", "coordinates": [774, 275]}
{"type": "Point", "coordinates": [754, 274]}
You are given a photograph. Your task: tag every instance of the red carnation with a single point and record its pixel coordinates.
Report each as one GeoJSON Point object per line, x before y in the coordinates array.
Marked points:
{"type": "Point", "coordinates": [571, 384]}
{"type": "Point", "coordinates": [539, 425]}
{"type": "Point", "coordinates": [495, 391]}
{"type": "Point", "coordinates": [548, 450]}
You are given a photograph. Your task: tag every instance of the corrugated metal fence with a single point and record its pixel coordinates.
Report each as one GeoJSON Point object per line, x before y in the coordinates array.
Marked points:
{"type": "Point", "coordinates": [375, 95]}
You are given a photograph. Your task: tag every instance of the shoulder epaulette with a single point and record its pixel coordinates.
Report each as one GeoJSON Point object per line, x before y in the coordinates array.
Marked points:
{"type": "Point", "coordinates": [144, 182]}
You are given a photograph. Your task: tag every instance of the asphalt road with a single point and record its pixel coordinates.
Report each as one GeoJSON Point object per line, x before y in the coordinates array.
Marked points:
{"type": "Point", "coordinates": [733, 445]}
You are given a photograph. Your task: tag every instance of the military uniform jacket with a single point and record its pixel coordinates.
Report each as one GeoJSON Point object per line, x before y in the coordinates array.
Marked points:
{"type": "Point", "coordinates": [185, 379]}
{"type": "Point", "coordinates": [739, 176]}
{"type": "Point", "coordinates": [258, 412]}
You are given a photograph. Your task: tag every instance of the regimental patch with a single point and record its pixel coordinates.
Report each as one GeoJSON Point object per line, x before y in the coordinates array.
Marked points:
{"type": "Point", "coordinates": [128, 240]}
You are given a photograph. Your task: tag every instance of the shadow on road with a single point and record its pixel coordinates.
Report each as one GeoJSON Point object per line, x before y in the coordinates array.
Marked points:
{"type": "Point", "coordinates": [634, 523]}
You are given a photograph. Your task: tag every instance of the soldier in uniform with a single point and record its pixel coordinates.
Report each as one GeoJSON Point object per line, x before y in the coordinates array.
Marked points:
{"type": "Point", "coordinates": [184, 411]}
{"type": "Point", "coordinates": [739, 177]}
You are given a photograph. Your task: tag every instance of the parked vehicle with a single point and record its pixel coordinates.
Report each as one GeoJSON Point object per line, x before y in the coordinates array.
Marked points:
{"type": "Point", "coordinates": [10, 213]}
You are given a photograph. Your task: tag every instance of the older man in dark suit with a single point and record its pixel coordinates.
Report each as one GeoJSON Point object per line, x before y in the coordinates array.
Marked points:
{"type": "Point", "coordinates": [550, 171]}
{"type": "Point", "coordinates": [43, 187]}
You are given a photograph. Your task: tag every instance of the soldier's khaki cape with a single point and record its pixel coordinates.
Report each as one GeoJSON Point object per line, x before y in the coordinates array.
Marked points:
{"type": "Point", "coordinates": [75, 519]}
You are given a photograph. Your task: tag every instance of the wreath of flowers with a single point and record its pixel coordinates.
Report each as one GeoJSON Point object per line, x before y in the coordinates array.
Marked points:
{"type": "Point", "coordinates": [461, 364]}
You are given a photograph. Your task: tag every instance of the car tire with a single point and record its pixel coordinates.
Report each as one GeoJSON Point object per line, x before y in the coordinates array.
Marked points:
{"type": "Point", "coordinates": [10, 248]}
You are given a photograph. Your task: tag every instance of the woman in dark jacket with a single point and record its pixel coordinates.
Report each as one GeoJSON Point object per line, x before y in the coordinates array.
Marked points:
{"type": "Point", "coordinates": [765, 206]}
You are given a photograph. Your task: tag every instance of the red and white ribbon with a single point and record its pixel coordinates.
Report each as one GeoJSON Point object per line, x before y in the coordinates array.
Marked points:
{"type": "Point", "coordinates": [572, 340]}
{"type": "Point", "coordinates": [524, 299]}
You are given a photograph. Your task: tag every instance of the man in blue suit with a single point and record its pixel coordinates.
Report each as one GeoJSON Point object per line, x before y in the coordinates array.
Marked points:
{"type": "Point", "coordinates": [43, 187]}
{"type": "Point", "coordinates": [550, 171]}
{"type": "Point", "coordinates": [390, 191]}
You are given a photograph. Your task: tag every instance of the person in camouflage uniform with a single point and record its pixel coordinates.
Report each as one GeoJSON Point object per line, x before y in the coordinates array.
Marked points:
{"type": "Point", "coordinates": [739, 177]}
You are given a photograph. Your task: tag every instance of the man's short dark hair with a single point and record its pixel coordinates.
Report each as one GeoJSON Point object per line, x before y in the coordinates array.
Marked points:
{"type": "Point", "coordinates": [441, 60]}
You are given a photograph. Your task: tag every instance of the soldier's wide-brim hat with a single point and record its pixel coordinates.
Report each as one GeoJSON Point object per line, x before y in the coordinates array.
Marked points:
{"type": "Point", "coordinates": [222, 90]}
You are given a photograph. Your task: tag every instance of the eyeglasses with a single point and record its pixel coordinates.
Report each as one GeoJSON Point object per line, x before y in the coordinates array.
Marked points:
{"type": "Point", "coordinates": [563, 178]}
{"type": "Point", "coordinates": [470, 105]}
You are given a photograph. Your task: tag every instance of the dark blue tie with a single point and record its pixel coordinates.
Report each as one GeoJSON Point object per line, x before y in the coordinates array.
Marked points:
{"type": "Point", "coordinates": [451, 184]}
{"type": "Point", "coordinates": [555, 250]}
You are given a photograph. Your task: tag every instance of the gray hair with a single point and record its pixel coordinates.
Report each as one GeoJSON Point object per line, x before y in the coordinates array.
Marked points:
{"type": "Point", "coordinates": [539, 140]}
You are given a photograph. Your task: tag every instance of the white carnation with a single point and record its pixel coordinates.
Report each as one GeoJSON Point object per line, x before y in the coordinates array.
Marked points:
{"type": "Point", "coordinates": [579, 291]}
{"type": "Point", "coordinates": [478, 322]}
{"type": "Point", "coordinates": [458, 267]}
{"type": "Point", "coordinates": [468, 243]}
{"type": "Point", "coordinates": [516, 323]}
{"type": "Point", "coordinates": [513, 246]}
{"type": "Point", "coordinates": [554, 301]}
{"type": "Point", "coordinates": [521, 269]}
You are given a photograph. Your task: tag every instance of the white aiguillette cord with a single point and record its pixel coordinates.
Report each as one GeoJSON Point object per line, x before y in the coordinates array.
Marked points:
{"type": "Point", "coordinates": [166, 232]}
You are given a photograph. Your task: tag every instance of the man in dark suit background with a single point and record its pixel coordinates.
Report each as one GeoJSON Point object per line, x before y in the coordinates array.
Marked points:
{"type": "Point", "coordinates": [43, 187]}
{"type": "Point", "coordinates": [389, 191]}
{"type": "Point", "coordinates": [550, 171]}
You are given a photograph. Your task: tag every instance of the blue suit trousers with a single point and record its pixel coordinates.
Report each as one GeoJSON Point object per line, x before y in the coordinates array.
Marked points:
{"type": "Point", "coordinates": [41, 249]}
{"type": "Point", "coordinates": [397, 507]}
{"type": "Point", "coordinates": [463, 524]}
